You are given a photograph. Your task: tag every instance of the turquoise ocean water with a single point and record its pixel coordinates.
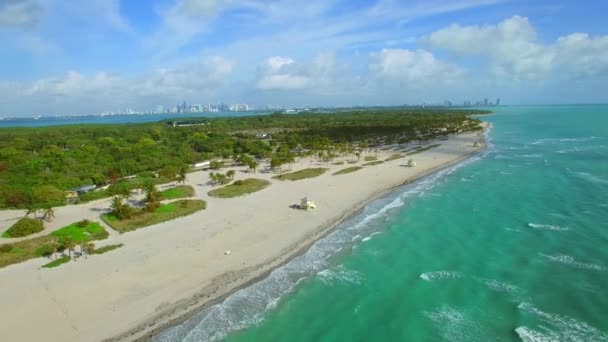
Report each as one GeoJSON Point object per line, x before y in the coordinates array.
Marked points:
{"type": "Point", "coordinates": [511, 245]}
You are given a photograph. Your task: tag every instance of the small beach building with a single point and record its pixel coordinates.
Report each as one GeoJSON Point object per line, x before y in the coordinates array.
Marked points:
{"type": "Point", "coordinates": [411, 163]}
{"type": "Point", "coordinates": [202, 165]}
{"type": "Point", "coordinates": [81, 190]}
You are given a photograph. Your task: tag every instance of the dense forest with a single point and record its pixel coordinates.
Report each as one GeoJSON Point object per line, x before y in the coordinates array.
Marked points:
{"type": "Point", "coordinates": [42, 160]}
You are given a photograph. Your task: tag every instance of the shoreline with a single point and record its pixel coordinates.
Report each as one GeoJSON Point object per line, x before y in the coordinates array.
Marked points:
{"type": "Point", "coordinates": [171, 271]}
{"type": "Point", "coordinates": [189, 307]}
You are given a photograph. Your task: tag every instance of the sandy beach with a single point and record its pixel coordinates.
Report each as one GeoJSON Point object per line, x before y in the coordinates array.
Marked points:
{"type": "Point", "coordinates": [168, 271]}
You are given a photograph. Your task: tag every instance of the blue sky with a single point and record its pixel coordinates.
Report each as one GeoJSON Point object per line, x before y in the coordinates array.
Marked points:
{"type": "Point", "coordinates": [84, 57]}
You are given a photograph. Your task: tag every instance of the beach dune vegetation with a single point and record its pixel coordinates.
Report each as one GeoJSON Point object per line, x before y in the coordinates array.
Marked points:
{"type": "Point", "coordinates": [347, 170]}
{"type": "Point", "coordinates": [142, 218]}
{"type": "Point", "coordinates": [240, 188]}
{"type": "Point", "coordinates": [302, 174]}
{"type": "Point", "coordinates": [24, 227]}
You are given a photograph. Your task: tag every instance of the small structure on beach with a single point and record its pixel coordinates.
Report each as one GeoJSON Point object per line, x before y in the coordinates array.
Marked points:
{"type": "Point", "coordinates": [476, 144]}
{"type": "Point", "coordinates": [81, 190]}
{"type": "Point", "coordinates": [307, 204]}
{"type": "Point", "coordinates": [411, 163]}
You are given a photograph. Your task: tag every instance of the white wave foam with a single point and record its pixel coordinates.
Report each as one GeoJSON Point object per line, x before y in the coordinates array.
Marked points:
{"type": "Point", "coordinates": [500, 286]}
{"type": "Point", "coordinates": [339, 274]}
{"type": "Point", "coordinates": [365, 239]}
{"type": "Point", "coordinates": [557, 328]}
{"type": "Point", "coordinates": [547, 227]}
{"type": "Point", "coordinates": [591, 178]}
{"type": "Point", "coordinates": [528, 335]}
{"type": "Point", "coordinates": [554, 140]}
{"type": "Point", "coordinates": [533, 155]}
{"type": "Point", "coordinates": [456, 325]}
{"type": "Point", "coordinates": [580, 149]}
{"type": "Point", "coordinates": [440, 275]}
{"type": "Point", "coordinates": [356, 237]}
{"type": "Point", "coordinates": [570, 261]}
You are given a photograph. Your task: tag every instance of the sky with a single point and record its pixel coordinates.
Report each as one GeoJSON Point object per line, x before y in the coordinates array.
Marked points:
{"type": "Point", "coordinates": [68, 57]}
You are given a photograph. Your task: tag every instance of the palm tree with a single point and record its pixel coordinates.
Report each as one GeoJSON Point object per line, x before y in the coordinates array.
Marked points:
{"type": "Point", "coordinates": [69, 243]}
{"type": "Point", "coordinates": [89, 248]}
{"type": "Point", "coordinates": [230, 174]}
{"type": "Point", "coordinates": [49, 214]}
{"type": "Point", "coordinates": [53, 246]}
{"type": "Point", "coordinates": [182, 174]}
{"type": "Point", "coordinates": [116, 204]}
{"type": "Point", "coordinates": [152, 199]}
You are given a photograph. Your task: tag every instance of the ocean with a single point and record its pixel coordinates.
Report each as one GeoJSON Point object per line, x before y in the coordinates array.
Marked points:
{"type": "Point", "coordinates": [510, 245]}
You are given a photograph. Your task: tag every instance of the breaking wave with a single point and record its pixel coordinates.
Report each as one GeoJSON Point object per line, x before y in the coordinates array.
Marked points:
{"type": "Point", "coordinates": [339, 274]}
{"type": "Point", "coordinates": [570, 261]}
{"type": "Point", "coordinates": [547, 227]}
{"type": "Point", "coordinates": [440, 275]}
{"type": "Point", "coordinates": [557, 328]}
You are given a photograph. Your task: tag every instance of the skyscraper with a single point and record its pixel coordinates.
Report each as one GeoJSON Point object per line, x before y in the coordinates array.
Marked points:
{"type": "Point", "coordinates": [485, 102]}
{"type": "Point", "coordinates": [498, 102]}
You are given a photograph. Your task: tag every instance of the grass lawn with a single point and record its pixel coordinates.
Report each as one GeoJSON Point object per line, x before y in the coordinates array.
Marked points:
{"type": "Point", "coordinates": [422, 149]}
{"type": "Point", "coordinates": [78, 234]}
{"type": "Point", "coordinates": [370, 158]}
{"type": "Point", "coordinates": [240, 188]}
{"type": "Point", "coordinates": [353, 161]}
{"type": "Point", "coordinates": [24, 250]}
{"type": "Point", "coordinates": [57, 262]}
{"type": "Point", "coordinates": [377, 162]}
{"type": "Point", "coordinates": [163, 213]}
{"type": "Point", "coordinates": [24, 227]}
{"type": "Point", "coordinates": [348, 170]}
{"type": "Point", "coordinates": [177, 192]}
{"type": "Point", "coordinates": [339, 163]}
{"type": "Point", "coordinates": [302, 174]}
{"type": "Point", "coordinates": [106, 249]}
{"type": "Point", "coordinates": [395, 157]}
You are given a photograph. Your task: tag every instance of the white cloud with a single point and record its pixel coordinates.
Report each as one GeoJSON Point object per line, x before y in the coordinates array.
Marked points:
{"type": "Point", "coordinates": [515, 52]}
{"type": "Point", "coordinates": [511, 45]}
{"type": "Point", "coordinates": [583, 55]}
{"type": "Point", "coordinates": [415, 68]}
{"type": "Point", "coordinates": [201, 78]}
{"type": "Point", "coordinates": [20, 13]}
{"type": "Point", "coordinates": [283, 73]}
{"type": "Point", "coordinates": [76, 92]}
{"type": "Point", "coordinates": [323, 75]}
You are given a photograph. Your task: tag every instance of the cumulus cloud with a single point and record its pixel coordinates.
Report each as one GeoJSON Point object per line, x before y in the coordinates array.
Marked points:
{"type": "Point", "coordinates": [514, 50]}
{"type": "Point", "coordinates": [283, 73]}
{"type": "Point", "coordinates": [102, 91]}
{"type": "Point", "coordinates": [583, 55]}
{"type": "Point", "coordinates": [412, 67]}
{"type": "Point", "coordinates": [19, 13]}
{"type": "Point", "coordinates": [322, 75]}
{"type": "Point", "coordinates": [198, 78]}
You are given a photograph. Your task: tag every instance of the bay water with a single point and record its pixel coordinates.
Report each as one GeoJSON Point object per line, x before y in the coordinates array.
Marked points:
{"type": "Point", "coordinates": [510, 245]}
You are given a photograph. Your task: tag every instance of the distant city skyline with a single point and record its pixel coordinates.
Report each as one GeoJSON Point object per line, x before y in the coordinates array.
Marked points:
{"type": "Point", "coordinates": [94, 56]}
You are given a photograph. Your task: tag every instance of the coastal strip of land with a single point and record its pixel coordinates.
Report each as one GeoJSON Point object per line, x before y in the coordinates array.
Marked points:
{"type": "Point", "coordinates": [169, 271]}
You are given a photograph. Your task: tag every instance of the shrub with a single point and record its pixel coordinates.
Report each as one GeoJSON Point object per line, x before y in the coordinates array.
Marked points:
{"type": "Point", "coordinates": [24, 227]}
{"type": "Point", "coordinates": [238, 182]}
{"type": "Point", "coordinates": [83, 223]}
{"type": "Point", "coordinates": [57, 262]}
{"type": "Point", "coordinates": [6, 248]}
{"type": "Point", "coordinates": [44, 250]}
